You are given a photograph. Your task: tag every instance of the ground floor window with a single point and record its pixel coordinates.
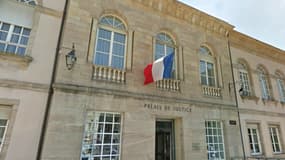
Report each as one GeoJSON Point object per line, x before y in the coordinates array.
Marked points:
{"type": "Point", "coordinates": [3, 129]}
{"type": "Point", "coordinates": [254, 140]}
{"type": "Point", "coordinates": [102, 136]}
{"type": "Point", "coordinates": [275, 139]}
{"type": "Point", "coordinates": [215, 140]}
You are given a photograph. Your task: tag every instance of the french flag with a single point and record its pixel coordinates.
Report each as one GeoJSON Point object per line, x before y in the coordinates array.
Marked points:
{"type": "Point", "coordinates": [159, 69]}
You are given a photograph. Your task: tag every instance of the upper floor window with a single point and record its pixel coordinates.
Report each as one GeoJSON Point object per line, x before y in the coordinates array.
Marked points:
{"type": "Point", "coordinates": [110, 49]}
{"type": "Point", "coordinates": [13, 38]}
{"type": "Point", "coordinates": [264, 85]}
{"type": "Point", "coordinates": [30, 2]}
{"type": "Point", "coordinates": [207, 67]}
{"type": "Point", "coordinates": [244, 79]}
{"type": "Point", "coordinates": [281, 88]}
{"type": "Point", "coordinates": [165, 45]}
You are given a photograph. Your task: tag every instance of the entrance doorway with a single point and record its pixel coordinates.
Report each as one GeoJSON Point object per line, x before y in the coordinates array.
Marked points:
{"type": "Point", "coordinates": [164, 140]}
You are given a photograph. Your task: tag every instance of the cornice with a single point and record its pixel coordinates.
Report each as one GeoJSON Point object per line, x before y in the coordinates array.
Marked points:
{"type": "Point", "coordinates": [265, 113]}
{"type": "Point", "coordinates": [189, 14]}
{"type": "Point", "coordinates": [256, 47]}
{"type": "Point", "coordinates": [88, 90]}
{"type": "Point", "coordinates": [24, 85]}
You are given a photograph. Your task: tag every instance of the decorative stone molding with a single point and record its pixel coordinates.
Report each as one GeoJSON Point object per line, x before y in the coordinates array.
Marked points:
{"type": "Point", "coordinates": [24, 85]}
{"type": "Point", "coordinates": [109, 74]}
{"type": "Point", "coordinates": [19, 61]}
{"type": "Point", "coordinates": [168, 84]}
{"type": "Point", "coordinates": [189, 14]}
{"type": "Point", "coordinates": [250, 97]}
{"type": "Point", "coordinates": [211, 91]}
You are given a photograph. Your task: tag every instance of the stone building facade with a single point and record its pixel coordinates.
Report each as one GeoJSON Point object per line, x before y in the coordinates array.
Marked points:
{"type": "Point", "coordinates": [259, 70]}
{"type": "Point", "coordinates": [27, 51]}
{"type": "Point", "coordinates": [102, 110]}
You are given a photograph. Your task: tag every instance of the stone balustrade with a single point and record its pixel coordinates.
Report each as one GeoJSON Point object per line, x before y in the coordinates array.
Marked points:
{"type": "Point", "coordinates": [211, 91]}
{"type": "Point", "coordinates": [169, 84]}
{"type": "Point", "coordinates": [109, 74]}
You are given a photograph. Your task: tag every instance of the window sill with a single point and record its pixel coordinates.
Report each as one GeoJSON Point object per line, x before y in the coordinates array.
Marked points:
{"type": "Point", "coordinates": [19, 61]}
{"type": "Point", "coordinates": [269, 100]}
{"type": "Point", "coordinates": [250, 97]}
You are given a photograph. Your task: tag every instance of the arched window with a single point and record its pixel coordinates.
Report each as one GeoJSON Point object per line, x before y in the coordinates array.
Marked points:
{"type": "Point", "coordinates": [244, 79]}
{"type": "Point", "coordinates": [30, 2]}
{"type": "Point", "coordinates": [110, 49]}
{"type": "Point", "coordinates": [264, 83]}
{"type": "Point", "coordinates": [280, 85]}
{"type": "Point", "coordinates": [207, 67]}
{"type": "Point", "coordinates": [165, 45]}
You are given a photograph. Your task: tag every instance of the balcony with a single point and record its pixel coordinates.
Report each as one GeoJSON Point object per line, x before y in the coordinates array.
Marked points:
{"type": "Point", "coordinates": [109, 74]}
{"type": "Point", "coordinates": [211, 91]}
{"type": "Point", "coordinates": [169, 84]}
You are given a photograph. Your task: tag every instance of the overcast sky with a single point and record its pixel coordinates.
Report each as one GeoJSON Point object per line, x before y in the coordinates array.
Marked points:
{"type": "Point", "coordinates": [261, 19]}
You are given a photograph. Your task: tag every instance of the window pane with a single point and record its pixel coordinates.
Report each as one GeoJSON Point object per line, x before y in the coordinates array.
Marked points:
{"type": "Point", "coordinates": [202, 68]}
{"type": "Point", "coordinates": [24, 40]}
{"type": "Point", "coordinates": [103, 46]}
{"type": "Point", "coordinates": [21, 51]}
{"type": "Point", "coordinates": [102, 59]}
{"type": "Point", "coordinates": [118, 49]}
{"type": "Point", "coordinates": [14, 38]}
{"type": "Point", "coordinates": [5, 27]}
{"type": "Point", "coordinates": [11, 49]}
{"type": "Point", "coordinates": [17, 29]}
{"type": "Point", "coordinates": [104, 34]}
{"type": "Point", "coordinates": [118, 62]}
{"type": "Point", "coordinates": [119, 38]}
{"type": "Point", "coordinates": [26, 32]}
{"type": "Point", "coordinates": [2, 47]}
{"type": "Point", "coordinates": [159, 51]}
{"type": "Point", "coordinates": [3, 36]}
{"type": "Point", "coordinates": [210, 69]}
{"type": "Point", "coordinates": [169, 50]}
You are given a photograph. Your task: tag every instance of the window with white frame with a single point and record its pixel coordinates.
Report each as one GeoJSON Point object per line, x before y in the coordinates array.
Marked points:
{"type": "Point", "coordinates": [102, 136]}
{"type": "Point", "coordinates": [13, 38]}
{"type": "Point", "coordinates": [215, 140]}
{"type": "Point", "coordinates": [164, 45]}
{"type": "Point", "coordinates": [3, 129]}
{"type": "Point", "coordinates": [207, 67]}
{"type": "Point", "coordinates": [264, 85]}
{"type": "Point", "coordinates": [254, 139]}
{"type": "Point", "coordinates": [275, 139]}
{"type": "Point", "coordinates": [110, 49]}
{"type": "Point", "coordinates": [281, 89]}
{"type": "Point", "coordinates": [244, 79]}
{"type": "Point", "coordinates": [30, 2]}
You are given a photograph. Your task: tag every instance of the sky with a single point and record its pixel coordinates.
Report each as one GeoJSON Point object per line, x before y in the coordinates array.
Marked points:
{"type": "Point", "coordinates": [263, 20]}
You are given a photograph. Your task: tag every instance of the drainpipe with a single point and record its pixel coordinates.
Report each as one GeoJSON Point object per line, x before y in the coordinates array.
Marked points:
{"type": "Point", "coordinates": [236, 98]}
{"type": "Point", "coordinates": [51, 90]}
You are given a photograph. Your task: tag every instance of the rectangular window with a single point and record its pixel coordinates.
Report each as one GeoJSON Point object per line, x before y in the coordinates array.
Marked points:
{"type": "Point", "coordinates": [281, 89]}
{"type": "Point", "coordinates": [264, 87]}
{"type": "Point", "coordinates": [245, 83]}
{"type": "Point", "coordinates": [102, 136]}
{"type": "Point", "coordinates": [254, 140]}
{"type": "Point", "coordinates": [207, 73]}
{"type": "Point", "coordinates": [215, 140]}
{"type": "Point", "coordinates": [275, 139]}
{"type": "Point", "coordinates": [13, 38]}
{"type": "Point", "coordinates": [3, 128]}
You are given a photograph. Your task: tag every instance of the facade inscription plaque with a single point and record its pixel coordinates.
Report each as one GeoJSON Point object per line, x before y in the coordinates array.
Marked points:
{"type": "Point", "coordinates": [165, 107]}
